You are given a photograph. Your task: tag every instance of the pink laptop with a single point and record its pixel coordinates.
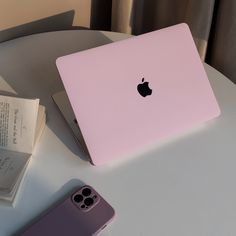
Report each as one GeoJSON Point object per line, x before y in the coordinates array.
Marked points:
{"type": "Point", "coordinates": [129, 95]}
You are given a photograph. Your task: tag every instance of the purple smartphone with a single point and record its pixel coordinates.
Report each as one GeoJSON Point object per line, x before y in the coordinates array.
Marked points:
{"type": "Point", "coordinates": [84, 213]}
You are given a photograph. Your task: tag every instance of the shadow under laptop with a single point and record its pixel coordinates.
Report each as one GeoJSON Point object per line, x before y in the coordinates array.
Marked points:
{"type": "Point", "coordinates": [28, 69]}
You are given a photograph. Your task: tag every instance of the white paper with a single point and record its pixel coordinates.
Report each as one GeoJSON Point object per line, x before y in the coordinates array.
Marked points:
{"type": "Point", "coordinates": [21, 123]}
{"type": "Point", "coordinates": [11, 166]}
{"type": "Point", "coordinates": [18, 118]}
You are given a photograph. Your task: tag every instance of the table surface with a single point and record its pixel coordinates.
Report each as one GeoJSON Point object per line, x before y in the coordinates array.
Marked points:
{"type": "Point", "coordinates": [183, 187]}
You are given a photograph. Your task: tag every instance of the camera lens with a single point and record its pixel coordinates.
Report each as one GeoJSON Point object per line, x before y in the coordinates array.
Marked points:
{"type": "Point", "coordinates": [86, 192]}
{"type": "Point", "coordinates": [78, 198]}
{"type": "Point", "coordinates": [88, 201]}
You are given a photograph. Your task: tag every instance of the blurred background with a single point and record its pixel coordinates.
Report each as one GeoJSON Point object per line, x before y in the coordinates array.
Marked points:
{"type": "Point", "coordinates": [212, 22]}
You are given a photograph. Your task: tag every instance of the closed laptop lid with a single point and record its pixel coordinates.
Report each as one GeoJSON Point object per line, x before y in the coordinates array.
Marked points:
{"type": "Point", "coordinates": [130, 95]}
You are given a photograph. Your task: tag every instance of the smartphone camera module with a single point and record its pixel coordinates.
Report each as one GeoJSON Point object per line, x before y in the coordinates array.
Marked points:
{"type": "Point", "coordinates": [86, 198]}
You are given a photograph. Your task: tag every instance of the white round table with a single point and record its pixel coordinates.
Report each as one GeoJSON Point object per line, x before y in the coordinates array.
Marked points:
{"type": "Point", "coordinates": [184, 187]}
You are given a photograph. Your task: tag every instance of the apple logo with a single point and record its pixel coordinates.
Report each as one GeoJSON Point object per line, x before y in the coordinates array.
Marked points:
{"type": "Point", "coordinates": [144, 89]}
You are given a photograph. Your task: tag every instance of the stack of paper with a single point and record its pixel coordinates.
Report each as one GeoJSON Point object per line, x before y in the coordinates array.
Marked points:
{"type": "Point", "coordinates": [21, 124]}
